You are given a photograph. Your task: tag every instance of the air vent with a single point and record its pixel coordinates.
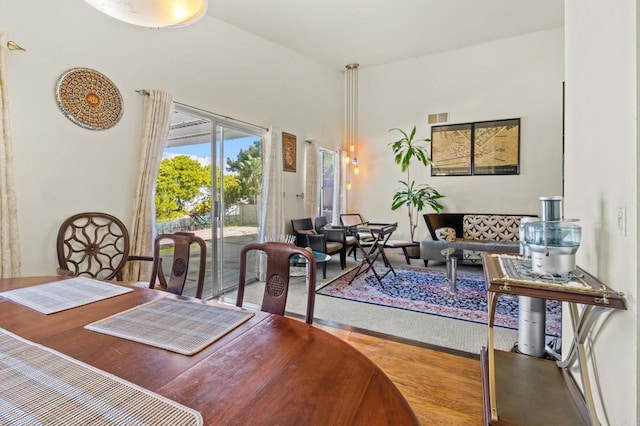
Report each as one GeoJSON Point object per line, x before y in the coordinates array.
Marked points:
{"type": "Point", "coordinates": [442, 117]}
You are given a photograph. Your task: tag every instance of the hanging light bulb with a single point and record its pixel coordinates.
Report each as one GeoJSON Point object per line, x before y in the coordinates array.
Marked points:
{"type": "Point", "coordinates": [351, 121]}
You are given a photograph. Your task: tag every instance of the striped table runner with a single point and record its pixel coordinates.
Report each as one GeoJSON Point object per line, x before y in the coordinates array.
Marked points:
{"type": "Point", "coordinates": [39, 386]}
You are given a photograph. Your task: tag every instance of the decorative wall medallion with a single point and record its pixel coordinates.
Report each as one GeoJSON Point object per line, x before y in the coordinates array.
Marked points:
{"type": "Point", "coordinates": [275, 286]}
{"type": "Point", "coordinates": [89, 98]}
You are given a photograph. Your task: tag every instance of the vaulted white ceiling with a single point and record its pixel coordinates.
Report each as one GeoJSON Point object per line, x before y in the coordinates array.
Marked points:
{"type": "Point", "coordinates": [373, 32]}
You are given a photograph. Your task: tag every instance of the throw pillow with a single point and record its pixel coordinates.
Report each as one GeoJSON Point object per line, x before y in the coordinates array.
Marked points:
{"type": "Point", "coordinates": [307, 232]}
{"type": "Point", "coordinates": [446, 234]}
{"type": "Point", "coordinates": [472, 256]}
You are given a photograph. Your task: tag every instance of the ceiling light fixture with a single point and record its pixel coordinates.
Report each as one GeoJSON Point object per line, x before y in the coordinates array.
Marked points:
{"type": "Point", "coordinates": [351, 156]}
{"type": "Point", "coordinates": [153, 13]}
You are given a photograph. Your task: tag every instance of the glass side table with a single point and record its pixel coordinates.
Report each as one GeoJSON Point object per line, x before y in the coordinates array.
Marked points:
{"type": "Point", "coordinates": [321, 259]}
{"type": "Point", "coordinates": [449, 255]}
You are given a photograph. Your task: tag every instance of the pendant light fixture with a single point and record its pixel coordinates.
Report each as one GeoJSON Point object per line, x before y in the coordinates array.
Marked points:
{"type": "Point", "coordinates": [153, 13]}
{"type": "Point", "coordinates": [351, 156]}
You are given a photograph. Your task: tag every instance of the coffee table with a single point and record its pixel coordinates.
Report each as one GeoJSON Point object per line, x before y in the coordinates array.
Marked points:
{"type": "Point", "coordinates": [321, 258]}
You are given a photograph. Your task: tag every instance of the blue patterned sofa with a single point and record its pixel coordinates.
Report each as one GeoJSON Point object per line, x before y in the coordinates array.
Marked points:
{"type": "Point", "coordinates": [470, 234]}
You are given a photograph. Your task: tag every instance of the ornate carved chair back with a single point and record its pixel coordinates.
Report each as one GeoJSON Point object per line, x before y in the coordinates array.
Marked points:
{"type": "Point", "coordinates": [277, 277]}
{"type": "Point", "coordinates": [174, 280]}
{"type": "Point", "coordinates": [93, 244]}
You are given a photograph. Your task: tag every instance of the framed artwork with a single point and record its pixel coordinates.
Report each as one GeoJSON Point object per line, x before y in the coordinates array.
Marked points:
{"type": "Point", "coordinates": [451, 150]}
{"type": "Point", "coordinates": [479, 148]}
{"type": "Point", "coordinates": [288, 152]}
{"type": "Point", "coordinates": [496, 147]}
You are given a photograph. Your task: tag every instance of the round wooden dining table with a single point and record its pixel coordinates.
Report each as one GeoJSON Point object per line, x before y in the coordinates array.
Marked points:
{"type": "Point", "coordinates": [270, 370]}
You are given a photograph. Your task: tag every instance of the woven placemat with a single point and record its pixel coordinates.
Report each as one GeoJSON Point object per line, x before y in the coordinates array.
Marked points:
{"type": "Point", "coordinates": [43, 387]}
{"type": "Point", "coordinates": [176, 325]}
{"type": "Point", "coordinates": [61, 295]}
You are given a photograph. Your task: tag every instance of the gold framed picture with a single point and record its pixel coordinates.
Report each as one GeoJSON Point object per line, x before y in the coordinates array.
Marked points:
{"type": "Point", "coordinates": [496, 147]}
{"type": "Point", "coordinates": [451, 149]}
{"type": "Point", "coordinates": [478, 148]}
{"type": "Point", "coordinates": [288, 152]}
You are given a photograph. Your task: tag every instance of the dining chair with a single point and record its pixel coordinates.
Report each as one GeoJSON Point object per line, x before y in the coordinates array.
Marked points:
{"type": "Point", "coordinates": [276, 286]}
{"type": "Point", "coordinates": [176, 248]}
{"type": "Point", "coordinates": [94, 244]}
{"type": "Point", "coordinates": [307, 236]}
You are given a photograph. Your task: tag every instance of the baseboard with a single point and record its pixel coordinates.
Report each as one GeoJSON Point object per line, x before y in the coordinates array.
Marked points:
{"type": "Point", "coordinates": [388, 337]}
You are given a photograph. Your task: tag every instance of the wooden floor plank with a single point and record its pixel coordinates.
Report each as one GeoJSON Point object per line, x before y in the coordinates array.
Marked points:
{"type": "Point", "coordinates": [442, 388]}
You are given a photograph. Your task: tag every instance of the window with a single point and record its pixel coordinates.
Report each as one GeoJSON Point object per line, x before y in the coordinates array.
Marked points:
{"type": "Point", "coordinates": [329, 179]}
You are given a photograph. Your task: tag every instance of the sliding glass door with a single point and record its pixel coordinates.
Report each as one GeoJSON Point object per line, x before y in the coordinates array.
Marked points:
{"type": "Point", "coordinates": [209, 183]}
{"type": "Point", "coordinates": [238, 190]}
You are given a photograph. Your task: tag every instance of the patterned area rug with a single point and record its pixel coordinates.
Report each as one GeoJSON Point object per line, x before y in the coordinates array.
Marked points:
{"type": "Point", "coordinates": [425, 290]}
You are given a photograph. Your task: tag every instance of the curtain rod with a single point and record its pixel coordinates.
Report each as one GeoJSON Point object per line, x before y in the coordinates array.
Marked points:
{"type": "Point", "coordinates": [145, 92]}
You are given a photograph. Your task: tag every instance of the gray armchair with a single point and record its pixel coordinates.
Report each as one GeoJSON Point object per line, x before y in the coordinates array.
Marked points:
{"type": "Point", "coordinates": [307, 236]}
{"type": "Point", "coordinates": [337, 234]}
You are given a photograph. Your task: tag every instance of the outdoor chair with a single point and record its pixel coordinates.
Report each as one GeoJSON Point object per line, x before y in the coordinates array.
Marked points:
{"type": "Point", "coordinates": [94, 244]}
{"type": "Point", "coordinates": [174, 280]}
{"type": "Point", "coordinates": [353, 220]}
{"type": "Point", "coordinates": [307, 236]}
{"type": "Point", "coordinates": [276, 286]}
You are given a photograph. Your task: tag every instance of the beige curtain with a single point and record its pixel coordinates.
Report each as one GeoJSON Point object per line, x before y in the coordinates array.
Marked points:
{"type": "Point", "coordinates": [9, 239]}
{"type": "Point", "coordinates": [271, 212]}
{"type": "Point", "coordinates": [311, 207]}
{"type": "Point", "coordinates": [158, 106]}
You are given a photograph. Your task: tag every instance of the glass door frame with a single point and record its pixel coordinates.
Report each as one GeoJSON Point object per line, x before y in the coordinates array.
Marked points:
{"type": "Point", "coordinates": [216, 122]}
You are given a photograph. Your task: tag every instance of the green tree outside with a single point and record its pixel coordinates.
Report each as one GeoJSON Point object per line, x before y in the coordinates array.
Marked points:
{"type": "Point", "coordinates": [184, 187]}
{"type": "Point", "coordinates": [182, 184]}
{"type": "Point", "coordinates": [248, 167]}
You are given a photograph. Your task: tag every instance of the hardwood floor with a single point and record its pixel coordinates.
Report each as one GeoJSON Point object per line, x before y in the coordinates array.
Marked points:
{"type": "Point", "coordinates": [442, 387]}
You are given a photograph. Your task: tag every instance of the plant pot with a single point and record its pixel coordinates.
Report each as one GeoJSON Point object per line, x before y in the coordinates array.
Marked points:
{"type": "Point", "coordinates": [414, 251]}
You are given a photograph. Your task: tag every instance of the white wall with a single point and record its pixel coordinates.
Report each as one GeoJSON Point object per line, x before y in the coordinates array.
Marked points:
{"type": "Point", "coordinates": [62, 168]}
{"type": "Point", "coordinates": [510, 78]}
{"type": "Point", "coordinates": [602, 177]}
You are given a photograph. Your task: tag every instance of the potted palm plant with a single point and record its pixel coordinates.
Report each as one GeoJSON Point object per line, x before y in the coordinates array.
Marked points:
{"type": "Point", "coordinates": [414, 196]}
